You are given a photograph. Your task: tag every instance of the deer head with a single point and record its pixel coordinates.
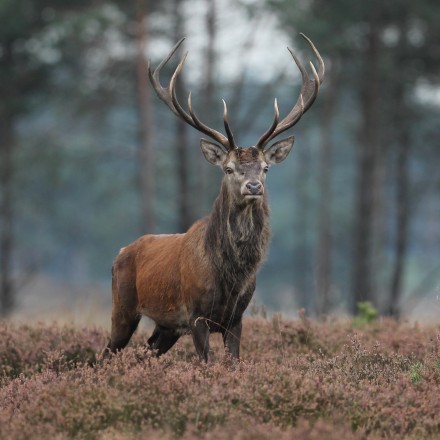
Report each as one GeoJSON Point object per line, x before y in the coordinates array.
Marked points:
{"type": "Point", "coordinates": [245, 168]}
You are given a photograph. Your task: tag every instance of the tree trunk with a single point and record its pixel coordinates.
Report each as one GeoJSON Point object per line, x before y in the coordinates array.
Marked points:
{"type": "Point", "coordinates": [402, 121]}
{"type": "Point", "coordinates": [6, 214]}
{"type": "Point", "coordinates": [302, 258]}
{"type": "Point", "coordinates": [324, 249]}
{"type": "Point", "coordinates": [205, 191]}
{"type": "Point", "coordinates": [185, 212]}
{"type": "Point", "coordinates": [185, 217]}
{"type": "Point", "coordinates": [146, 162]}
{"type": "Point", "coordinates": [402, 222]}
{"type": "Point", "coordinates": [368, 144]}
{"type": "Point", "coordinates": [379, 233]}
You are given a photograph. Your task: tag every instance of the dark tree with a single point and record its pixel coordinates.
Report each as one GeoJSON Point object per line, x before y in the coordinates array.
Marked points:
{"type": "Point", "coordinates": [146, 158]}
{"type": "Point", "coordinates": [21, 73]}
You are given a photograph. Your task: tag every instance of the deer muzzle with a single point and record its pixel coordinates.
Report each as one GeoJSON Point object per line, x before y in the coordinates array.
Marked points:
{"type": "Point", "coordinates": [253, 188]}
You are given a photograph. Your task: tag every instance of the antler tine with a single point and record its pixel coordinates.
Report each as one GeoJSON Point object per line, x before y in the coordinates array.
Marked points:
{"type": "Point", "coordinates": [192, 119]}
{"type": "Point", "coordinates": [172, 92]}
{"type": "Point", "coordinates": [220, 138]}
{"type": "Point", "coordinates": [262, 141]}
{"type": "Point", "coordinates": [321, 66]}
{"type": "Point", "coordinates": [309, 91]}
{"type": "Point", "coordinates": [162, 92]}
{"type": "Point", "coordinates": [169, 97]}
{"type": "Point", "coordinates": [165, 93]}
{"type": "Point", "coordinates": [231, 140]}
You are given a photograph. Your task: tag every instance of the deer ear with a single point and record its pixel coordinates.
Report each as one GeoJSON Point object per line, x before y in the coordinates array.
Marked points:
{"type": "Point", "coordinates": [277, 152]}
{"type": "Point", "coordinates": [213, 153]}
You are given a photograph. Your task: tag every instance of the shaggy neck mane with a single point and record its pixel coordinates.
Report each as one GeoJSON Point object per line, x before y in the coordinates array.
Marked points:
{"type": "Point", "coordinates": [237, 238]}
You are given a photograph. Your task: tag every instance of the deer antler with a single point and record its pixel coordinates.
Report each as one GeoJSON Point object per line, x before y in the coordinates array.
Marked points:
{"type": "Point", "coordinates": [309, 91]}
{"type": "Point", "coordinates": [169, 97]}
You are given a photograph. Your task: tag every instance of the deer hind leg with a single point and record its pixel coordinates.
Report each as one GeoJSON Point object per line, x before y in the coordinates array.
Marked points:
{"type": "Point", "coordinates": [125, 317]}
{"type": "Point", "coordinates": [162, 339]}
{"type": "Point", "coordinates": [122, 331]}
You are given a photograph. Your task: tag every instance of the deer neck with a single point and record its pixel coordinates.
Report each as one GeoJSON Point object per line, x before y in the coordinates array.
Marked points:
{"type": "Point", "coordinates": [237, 236]}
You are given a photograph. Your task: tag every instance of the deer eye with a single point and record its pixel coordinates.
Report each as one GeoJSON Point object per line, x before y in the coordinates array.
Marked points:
{"type": "Point", "coordinates": [266, 169]}
{"type": "Point", "coordinates": [229, 170]}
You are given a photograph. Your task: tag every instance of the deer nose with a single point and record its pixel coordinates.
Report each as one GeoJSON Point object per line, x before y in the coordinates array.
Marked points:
{"type": "Point", "coordinates": [254, 187]}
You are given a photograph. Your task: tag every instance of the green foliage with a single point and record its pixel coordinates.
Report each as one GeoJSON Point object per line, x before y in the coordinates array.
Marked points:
{"type": "Point", "coordinates": [415, 372]}
{"type": "Point", "coordinates": [366, 313]}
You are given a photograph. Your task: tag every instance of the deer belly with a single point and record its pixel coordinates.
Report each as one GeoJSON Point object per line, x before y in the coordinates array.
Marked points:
{"type": "Point", "coordinates": [164, 310]}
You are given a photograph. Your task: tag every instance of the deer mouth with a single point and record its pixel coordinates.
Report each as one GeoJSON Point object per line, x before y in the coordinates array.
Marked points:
{"type": "Point", "coordinates": [253, 193]}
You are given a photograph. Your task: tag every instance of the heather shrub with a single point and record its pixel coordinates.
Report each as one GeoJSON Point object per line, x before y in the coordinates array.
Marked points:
{"type": "Point", "coordinates": [29, 349]}
{"type": "Point", "coordinates": [297, 379]}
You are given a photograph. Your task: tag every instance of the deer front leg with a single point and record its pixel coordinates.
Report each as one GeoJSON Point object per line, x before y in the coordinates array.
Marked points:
{"type": "Point", "coordinates": [200, 335]}
{"type": "Point", "coordinates": [231, 340]}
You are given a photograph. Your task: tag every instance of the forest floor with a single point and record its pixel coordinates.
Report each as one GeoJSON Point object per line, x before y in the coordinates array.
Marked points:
{"type": "Point", "coordinates": [301, 379]}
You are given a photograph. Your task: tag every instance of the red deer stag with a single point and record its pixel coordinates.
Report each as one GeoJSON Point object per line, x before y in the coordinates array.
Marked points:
{"type": "Point", "coordinates": [202, 281]}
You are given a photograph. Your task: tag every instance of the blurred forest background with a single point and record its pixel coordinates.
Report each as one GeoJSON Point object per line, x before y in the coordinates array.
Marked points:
{"type": "Point", "coordinates": [91, 159]}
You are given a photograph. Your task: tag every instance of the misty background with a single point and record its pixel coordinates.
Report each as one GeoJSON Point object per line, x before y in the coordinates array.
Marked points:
{"type": "Point", "coordinates": [90, 159]}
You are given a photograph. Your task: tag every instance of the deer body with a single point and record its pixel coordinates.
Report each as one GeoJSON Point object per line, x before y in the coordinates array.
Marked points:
{"type": "Point", "coordinates": [192, 271]}
{"type": "Point", "coordinates": [202, 281]}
